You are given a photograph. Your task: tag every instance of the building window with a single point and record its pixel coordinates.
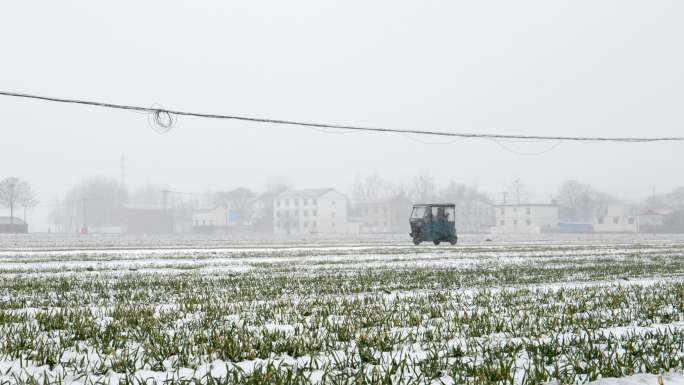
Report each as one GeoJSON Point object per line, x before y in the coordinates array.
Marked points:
{"type": "Point", "coordinates": [278, 202]}
{"type": "Point", "coordinates": [287, 202]}
{"type": "Point", "coordinates": [515, 209]}
{"type": "Point", "coordinates": [332, 203]}
{"type": "Point", "coordinates": [502, 223]}
{"type": "Point", "coordinates": [296, 202]}
{"type": "Point", "coordinates": [384, 209]}
{"type": "Point", "coordinates": [314, 202]}
{"type": "Point", "coordinates": [277, 214]}
{"type": "Point", "coordinates": [630, 221]}
{"type": "Point", "coordinates": [211, 223]}
{"type": "Point", "coordinates": [278, 224]}
{"type": "Point", "coordinates": [515, 222]}
{"type": "Point", "coordinates": [306, 213]}
{"type": "Point", "coordinates": [600, 221]}
{"type": "Point", "coordinates": [305, 201]}
{"type": "Point", "coordinates": [502, 211]}
{"type": "Point", "coordinates": [528, 211]}
{"type": "Point", "coordinates": [204, 222]}
{"type": "Point", "coordinates": [314, 224]}
{"type": "Point", "coordinates": [296, 213]}
{"type": "Point", "coordinates": [306, 223]}
{"type": "Point", "coordinates": [314, 212]}
{"type": "Point", "coordinates": [333, 224]}
{"type": "Point", "coordinates": [333, 214]}
{"type": "Point", "coordinates": [528, 222]}
{"type": "Point", "coordinates": [616, 220]}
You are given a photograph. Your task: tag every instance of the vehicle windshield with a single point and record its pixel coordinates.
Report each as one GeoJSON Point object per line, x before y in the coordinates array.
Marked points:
{"type": "Point", "coordinates": [417, 212]}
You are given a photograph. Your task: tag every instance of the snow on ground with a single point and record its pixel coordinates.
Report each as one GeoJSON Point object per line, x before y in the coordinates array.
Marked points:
{"type": "Point", "coordinates": [632, 283]}
{"type": "Point", "coordinates": [52, 242]}
{"type": "Point", "coordinates": [675, 378]}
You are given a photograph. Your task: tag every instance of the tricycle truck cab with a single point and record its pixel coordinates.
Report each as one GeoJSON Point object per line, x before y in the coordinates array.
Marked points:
{"type": "Point", "coordinates": [435, 222]}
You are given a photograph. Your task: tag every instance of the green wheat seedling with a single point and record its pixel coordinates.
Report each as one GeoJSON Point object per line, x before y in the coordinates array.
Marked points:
{"type": "Point", "coordinates": [501, 315]}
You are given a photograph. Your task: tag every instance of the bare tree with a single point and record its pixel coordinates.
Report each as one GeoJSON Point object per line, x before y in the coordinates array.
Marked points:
{"type": "Point", "coordinates": [241, 201]}
{"type": "Point", "coordinates": [149, 193]}
{"type": "Point", "coordinates": [578, 201]}
{"type": "Point", "coordinates": [372, 187]}
{"type": "Point", "coordinates": [674, 199]}
{"type": "Point", "coordinates": [423, 188]}
{"type": "Point", "coordinates": [16, 192]}
{"type": "Point", "coordinates": [94, 202]}
{"type": "Point", "coordinates": [459, 192]}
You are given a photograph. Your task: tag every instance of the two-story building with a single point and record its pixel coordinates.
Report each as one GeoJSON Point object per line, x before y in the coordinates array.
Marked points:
{"type": "Point", "coordinates": [525, 218]}
{"type": "Point", "coordinates": [616, 219]}
{"type": "Point", "coordinates": [310, 211]}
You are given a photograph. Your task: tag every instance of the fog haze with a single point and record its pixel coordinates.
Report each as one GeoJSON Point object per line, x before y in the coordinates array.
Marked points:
{"type": "Point", "coordinates": [586, 68]}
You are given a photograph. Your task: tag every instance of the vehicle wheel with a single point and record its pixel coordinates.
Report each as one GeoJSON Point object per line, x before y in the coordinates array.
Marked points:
{"type": "Point", "coordinates": [436, 242]}
{"type": "Point", "coordinates": [453, 240]}
{"type": "Point", "coordinates": [416, 241]}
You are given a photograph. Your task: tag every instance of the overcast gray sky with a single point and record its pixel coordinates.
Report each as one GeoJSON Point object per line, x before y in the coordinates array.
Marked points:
{"type": "Point", "coordinates": [530, 67]}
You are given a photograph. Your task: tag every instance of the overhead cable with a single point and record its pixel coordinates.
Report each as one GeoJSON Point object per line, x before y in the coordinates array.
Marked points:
{"type": "Point", "coordinates": [165, 119]}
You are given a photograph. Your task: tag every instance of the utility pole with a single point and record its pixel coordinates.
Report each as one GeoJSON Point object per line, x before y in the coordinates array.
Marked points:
{"type": "Point", "coordinates": [11, 203]}
{"type": "Point", "coordinates": [166, 212]}
{"type": "Point", "coordinates": [85, 215]}
{"type": "Point", "coordinates": [517, 184]}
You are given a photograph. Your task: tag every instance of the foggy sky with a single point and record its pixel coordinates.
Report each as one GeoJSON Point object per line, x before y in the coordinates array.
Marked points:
{"type": "Point", "coordinates": [611, 68]}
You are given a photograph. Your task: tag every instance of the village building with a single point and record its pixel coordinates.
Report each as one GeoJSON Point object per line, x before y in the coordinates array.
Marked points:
{"type": "Point", "coordinates": [214, 220]}
{"type": "Point", "coordinates": [210, 220]}
{"type": "Point", "coordinates": [13, 225]}
{"type": "Point", "coordinates": [525, 218]}
{"type": "Point", "coordinates": [616, 219]}
{"type": "Point", "coordinates": [146, 218]}
{"type": "Point", "coordinates": [653, 220]}
{"type": "Point", "coordinates": [310, 211]}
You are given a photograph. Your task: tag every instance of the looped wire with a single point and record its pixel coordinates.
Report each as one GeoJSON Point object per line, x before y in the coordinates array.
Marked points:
{"type": "Point", "coordinates": [161, 120]}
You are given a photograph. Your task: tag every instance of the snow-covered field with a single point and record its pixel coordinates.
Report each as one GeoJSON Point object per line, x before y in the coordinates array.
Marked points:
{"type": "Point", "coordinates": [114, 309]}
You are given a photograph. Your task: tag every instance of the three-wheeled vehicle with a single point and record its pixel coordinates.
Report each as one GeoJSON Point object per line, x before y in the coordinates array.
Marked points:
{"type": "Point", "coordinates": [434, 222]}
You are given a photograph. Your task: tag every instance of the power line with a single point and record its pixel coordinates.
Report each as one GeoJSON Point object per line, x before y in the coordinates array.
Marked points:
{"type": "Point", "coordinates": [164, 119]}
{"type": "Point", "coordinates": [549, 149]}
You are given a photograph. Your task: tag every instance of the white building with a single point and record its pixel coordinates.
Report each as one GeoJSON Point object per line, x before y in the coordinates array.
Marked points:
{"type": "Point", "coordinates": [310, 211]}
{"type": "Point", "coordinates": [525, 218]}
{"type": "Point", "coordinates": [210, 220]}
{"type": "Point", "coordinates": [616, 219]}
